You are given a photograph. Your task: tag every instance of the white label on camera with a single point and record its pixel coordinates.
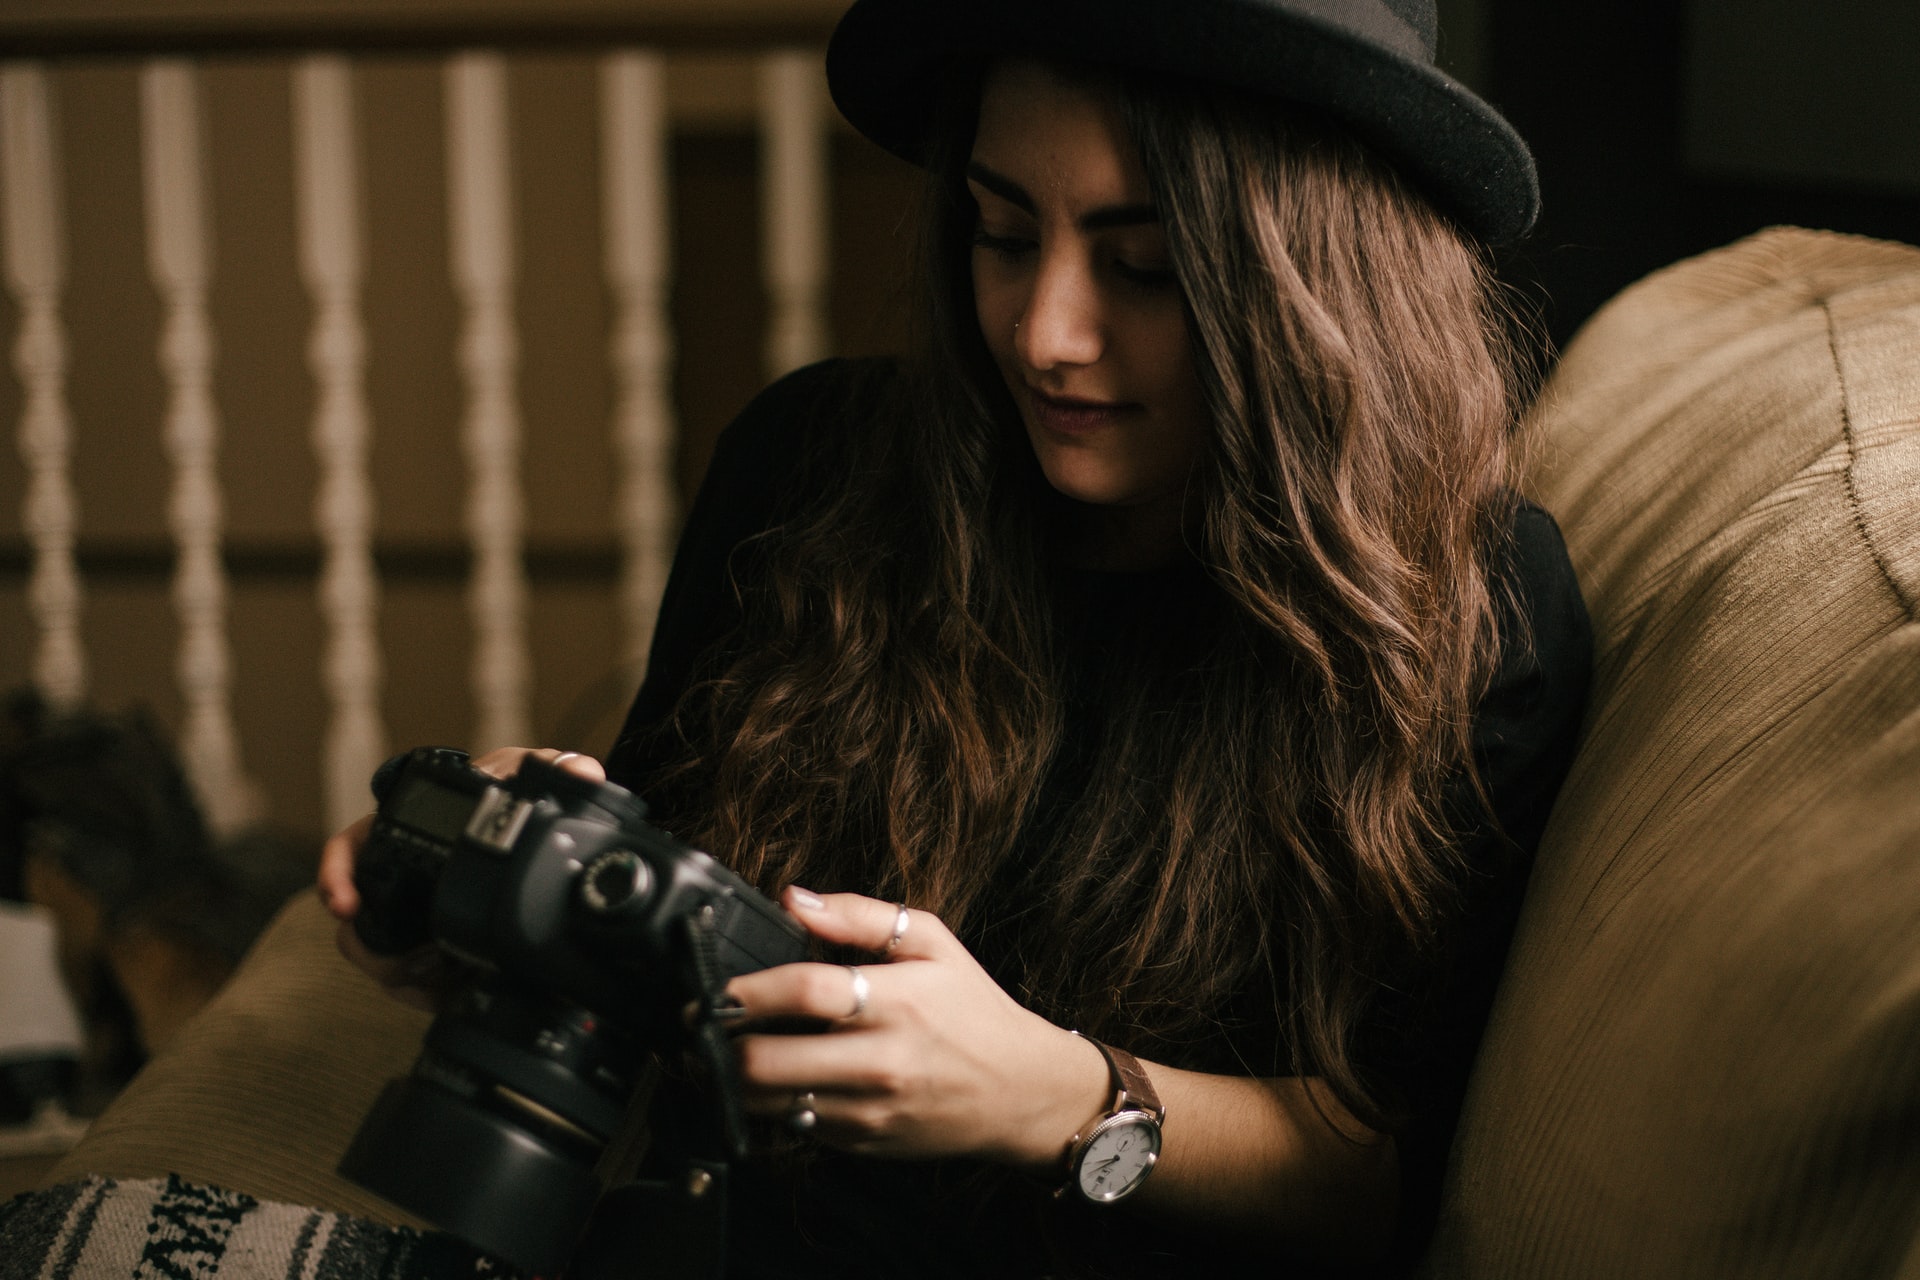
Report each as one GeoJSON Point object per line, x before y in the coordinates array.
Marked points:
{"type": "Point", "coordinates": [497, 820]}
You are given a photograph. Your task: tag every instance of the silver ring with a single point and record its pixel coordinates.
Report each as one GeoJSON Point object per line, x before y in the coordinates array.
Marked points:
{"type": "Point", "coordinates": [900, 923]}
{"type": "Point", "coordinates": [861, 990]}
{"type": "Point", "coordinates": [801, 1117]}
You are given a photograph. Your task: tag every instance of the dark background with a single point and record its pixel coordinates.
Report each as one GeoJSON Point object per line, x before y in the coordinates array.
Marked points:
{"type": "Point", "coordinates": [1663, 128]}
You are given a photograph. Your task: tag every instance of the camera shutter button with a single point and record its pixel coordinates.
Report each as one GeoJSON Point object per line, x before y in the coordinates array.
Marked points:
{"type": "Point", "coordinates": [612, 880]}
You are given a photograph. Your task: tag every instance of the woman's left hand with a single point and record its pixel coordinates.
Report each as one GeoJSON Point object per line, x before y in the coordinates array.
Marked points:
{"type": "Point", "coordinates": [939, 1060]}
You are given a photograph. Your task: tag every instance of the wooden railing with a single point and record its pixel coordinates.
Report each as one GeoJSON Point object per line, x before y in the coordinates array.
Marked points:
{"type": "Point", "coordinates": [321, 51]}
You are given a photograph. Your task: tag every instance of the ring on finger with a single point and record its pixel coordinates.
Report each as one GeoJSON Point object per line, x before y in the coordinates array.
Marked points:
{"type": "Point", "coordinates": [565, 756]}
{"type": "Point", "coordinates": [900, 922]}
{"type": "Point", "coordinates": [862, 990]}
{"type": "Point", "coordinates": [801, 1117]}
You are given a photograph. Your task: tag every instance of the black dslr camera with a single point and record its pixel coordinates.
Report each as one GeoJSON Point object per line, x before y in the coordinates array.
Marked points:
{"type": "Point", "coordinates": [589, 932]}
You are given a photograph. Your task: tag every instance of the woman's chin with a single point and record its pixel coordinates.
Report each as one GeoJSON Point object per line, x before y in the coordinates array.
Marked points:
{"type": "Point", "coordinates": [1090, 489]}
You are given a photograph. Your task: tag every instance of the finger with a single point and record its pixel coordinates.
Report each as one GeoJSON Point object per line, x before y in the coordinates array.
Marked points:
{"type": "Point", "coordinates": [851, 1123]}
{"type": "Point", "coordinates": [837, 1119]}
{"type": "Point", "coordinates": [817, 992]}
{"type": "Point", "coordinates": [772, 1067]}
{"type": "Point", "coordinates": [868, 923]}
{"type": "Point", "coordinates": [504, 762]}
{"type": "Point", "coordinates": [575, 762]}
{"type": "Point", "coordinates": [335, 877]}
{"type": "Point", "coordinates": [501, 762]}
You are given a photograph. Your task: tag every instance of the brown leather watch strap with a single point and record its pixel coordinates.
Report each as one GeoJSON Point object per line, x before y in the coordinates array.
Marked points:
{"type": "Point", "coordinates": [1133, 1098]}
{"type": "Point", "coordinates": [1132, 1091]}
{"type": "Point", "coordinates": [1133, 1080]}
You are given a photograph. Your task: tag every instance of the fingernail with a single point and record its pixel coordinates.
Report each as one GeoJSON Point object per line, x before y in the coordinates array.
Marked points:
{"type": "Point", "coordinates": [804, 899]}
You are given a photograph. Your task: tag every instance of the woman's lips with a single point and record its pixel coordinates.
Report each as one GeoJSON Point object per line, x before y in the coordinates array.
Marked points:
{"type": "Point", "coordinates": [1070, 416]}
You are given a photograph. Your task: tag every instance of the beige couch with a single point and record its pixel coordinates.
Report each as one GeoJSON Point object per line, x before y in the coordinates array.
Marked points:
{"type": "Point", "coordinates": [1705, 1061]}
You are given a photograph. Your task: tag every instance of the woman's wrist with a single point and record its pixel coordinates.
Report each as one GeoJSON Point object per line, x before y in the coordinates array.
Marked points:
{"type": "Point", "coordinates": [1070, 1095]}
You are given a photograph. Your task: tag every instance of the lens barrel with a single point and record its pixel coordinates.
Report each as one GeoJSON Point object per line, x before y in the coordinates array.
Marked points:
{"type": "Point", "coordinates": [503, 1186]}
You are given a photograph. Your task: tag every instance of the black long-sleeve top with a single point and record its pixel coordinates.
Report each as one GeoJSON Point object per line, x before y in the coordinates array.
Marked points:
{"type": "Point", "coordinates": [846, 1216]}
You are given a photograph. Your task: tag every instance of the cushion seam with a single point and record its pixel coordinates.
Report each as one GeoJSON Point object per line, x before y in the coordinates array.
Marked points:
{"type": "Point", "coordinates": [1854, 507]}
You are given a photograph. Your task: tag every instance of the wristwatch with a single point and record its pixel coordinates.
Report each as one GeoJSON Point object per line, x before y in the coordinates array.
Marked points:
{"type": "Point", "coordinates": [1109, 1161]}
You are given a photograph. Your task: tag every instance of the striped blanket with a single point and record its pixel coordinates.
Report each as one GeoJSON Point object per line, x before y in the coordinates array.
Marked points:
{"type": "Point", "coordinates": [170, 1229]}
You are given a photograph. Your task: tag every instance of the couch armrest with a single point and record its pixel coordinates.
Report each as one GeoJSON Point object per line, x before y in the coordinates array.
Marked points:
{"type": "Point", "coordinates": [263, 1090]}
{"type": "Point", "coordinates": [1702, 1061]}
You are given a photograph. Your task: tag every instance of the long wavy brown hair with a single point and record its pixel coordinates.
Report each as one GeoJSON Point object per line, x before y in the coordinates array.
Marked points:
{"type": "Point", "coordinates": [1236, 829]}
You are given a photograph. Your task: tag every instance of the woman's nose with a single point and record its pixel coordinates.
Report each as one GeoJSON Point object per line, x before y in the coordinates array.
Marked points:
{"type": "Point", "coordinates": [1062, 323]}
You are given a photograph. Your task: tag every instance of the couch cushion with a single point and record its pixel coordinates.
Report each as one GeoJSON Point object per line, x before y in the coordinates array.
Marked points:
{"type": "Point", "coordinates": [261, 1092]}
{"type": "Point", "coordinates": [1705, 1058]}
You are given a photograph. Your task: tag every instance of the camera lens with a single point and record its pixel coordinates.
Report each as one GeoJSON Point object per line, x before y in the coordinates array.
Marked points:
{"type": "Point", "coordinates": [485, 1176]}
{"type": "Point", "coordinates": [614, 879]}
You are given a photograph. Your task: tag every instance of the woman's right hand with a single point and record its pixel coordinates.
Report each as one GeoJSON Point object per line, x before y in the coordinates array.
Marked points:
{"type": "Point", "coordinates": [420, 977]}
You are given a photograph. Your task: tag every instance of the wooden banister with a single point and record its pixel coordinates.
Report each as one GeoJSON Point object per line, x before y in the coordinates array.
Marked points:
{"type": "Point", "coordinates": [48, 28]}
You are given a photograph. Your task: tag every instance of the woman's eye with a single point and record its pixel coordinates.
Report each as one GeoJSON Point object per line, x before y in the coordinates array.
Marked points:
{"type": "Point", "coordinates": [1147, 277]}
{"type": "Point", "coordinates": [1005, 246]}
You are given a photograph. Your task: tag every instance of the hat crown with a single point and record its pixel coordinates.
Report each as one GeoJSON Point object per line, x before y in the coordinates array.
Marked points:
{"type": "Point", "coordinates": [1369, 64]}
{"type": "Point", "coordinates": [1421, 16]}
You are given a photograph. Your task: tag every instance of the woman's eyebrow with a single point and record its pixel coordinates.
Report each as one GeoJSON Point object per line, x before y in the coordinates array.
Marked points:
{"type": "Point", "coordinates": [1109, 216]}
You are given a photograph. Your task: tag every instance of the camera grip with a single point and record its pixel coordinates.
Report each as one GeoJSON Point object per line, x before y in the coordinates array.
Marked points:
{"type": "Point", "coordinates": [396, 899]}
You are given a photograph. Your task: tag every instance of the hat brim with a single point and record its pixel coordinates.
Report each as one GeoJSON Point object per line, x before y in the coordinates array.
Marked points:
{"type": "Point", "coordinates": [885, 63]}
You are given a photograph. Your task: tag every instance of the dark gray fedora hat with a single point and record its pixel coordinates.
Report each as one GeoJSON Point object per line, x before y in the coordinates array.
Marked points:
{"type": "Point", "coordinates": [1367, 63]}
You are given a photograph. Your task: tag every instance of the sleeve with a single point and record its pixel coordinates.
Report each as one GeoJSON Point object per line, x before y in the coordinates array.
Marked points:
{"type": "Point", "coordinates": [746, 491]}
{"type": "Point", "coordinates": [1524, 734]}
{"type": "Point", "coordinates": [1526, 726]}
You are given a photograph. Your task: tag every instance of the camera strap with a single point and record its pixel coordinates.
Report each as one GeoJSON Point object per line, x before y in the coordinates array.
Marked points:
{"type": "Point", "coordinates": [709, 1029]}
{"type": "Point", "coordinates": [675, 1226]}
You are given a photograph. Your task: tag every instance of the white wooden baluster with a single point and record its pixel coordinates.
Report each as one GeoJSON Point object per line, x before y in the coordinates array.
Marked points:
{"type": "Point", "coordinates": [481, 232]}
{"type": "Point", "coordinates": [634, 176]}
{"type": "Point", "coordinates": [36, 275]}
{"type": "Point", "coordinates": [179, 258]}
{"type": "Point", "coordinates": [793, 143]}
{"type": "Point", "coordinates": [327, 190]}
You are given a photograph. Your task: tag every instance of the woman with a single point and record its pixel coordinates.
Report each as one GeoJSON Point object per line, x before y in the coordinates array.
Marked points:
{"type": "Point", "coordinates": [1162, 656]}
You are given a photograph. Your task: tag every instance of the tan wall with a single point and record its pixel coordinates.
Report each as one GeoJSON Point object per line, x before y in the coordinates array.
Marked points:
{"type": "Point", "coordinates": [142, 25]}
{"type": "Point", "coordinates": [265, 393]}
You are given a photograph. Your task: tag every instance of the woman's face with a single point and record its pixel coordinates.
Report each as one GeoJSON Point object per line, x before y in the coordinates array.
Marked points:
{"type": "Point", "coordinates": [1078, 303]}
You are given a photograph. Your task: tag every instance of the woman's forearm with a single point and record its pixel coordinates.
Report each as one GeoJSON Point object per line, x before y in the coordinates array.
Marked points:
{"type": "Point", "coordinates": [932, 1058]}
{"type": "Point", "coordinates": [1256, 1158]}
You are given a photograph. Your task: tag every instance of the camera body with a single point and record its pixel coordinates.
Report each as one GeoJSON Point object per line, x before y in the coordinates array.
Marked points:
{"type": "Point", "coordinates": [588, 932]}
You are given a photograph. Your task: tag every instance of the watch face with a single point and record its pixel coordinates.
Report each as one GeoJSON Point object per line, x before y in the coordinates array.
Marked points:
{"type": "Point", "coordinates": [1118, 1156]}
